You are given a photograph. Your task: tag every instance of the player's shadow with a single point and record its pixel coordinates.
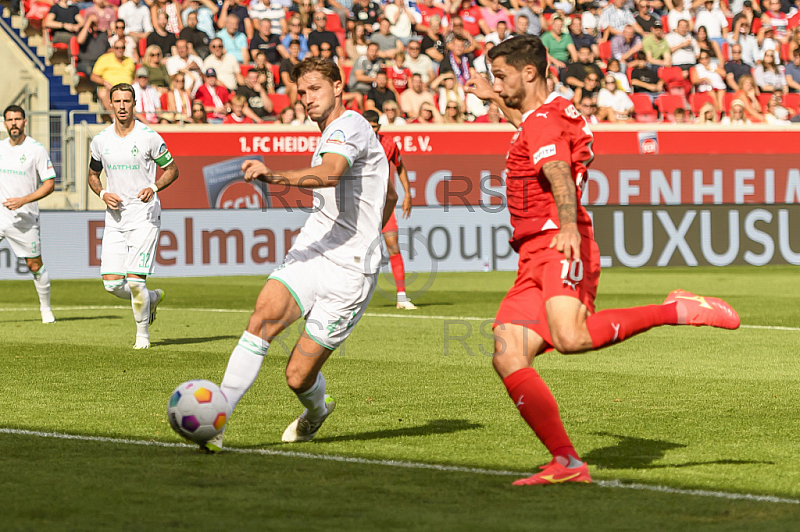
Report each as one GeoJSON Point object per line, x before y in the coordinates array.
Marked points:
{"type": "Point", "coordinates": [184, 341]}
{"type": "Point", "coordinates": [641, 453]}
{"type": "Point", "coordinates": [80, 318]}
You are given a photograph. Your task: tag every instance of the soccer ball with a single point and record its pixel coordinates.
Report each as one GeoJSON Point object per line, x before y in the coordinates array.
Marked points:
{"type": "Point", "coordinates": [198, 410]}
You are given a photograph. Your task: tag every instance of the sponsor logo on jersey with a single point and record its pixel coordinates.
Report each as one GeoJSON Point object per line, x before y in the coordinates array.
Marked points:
{"type": "Point", "coordinates": [544, 152]}
{"type": "Point", "coordinates": [122, 167]}
{"type": "Point", "coordinates": [337, 137]}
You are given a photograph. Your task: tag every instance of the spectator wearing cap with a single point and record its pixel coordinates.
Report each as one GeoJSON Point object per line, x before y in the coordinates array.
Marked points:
{"type": "Point", "coordinates": [391, 115]}
{"type": "Point", "coordinates": [419, 63]}
{"type": "Point", "coordinates": [471, 17]}
{"type": "Point", "coordinates": [159, 77]}
{"type": "Point", "coordinates": [681, 10]}
{"type": "Point", "coordinates": [735, 68]}
{"type": "Point", "coordinates": [380, 93]}
{"type": "Point", "coordinates": [205, 11]}
{"type": "Point", "coordinates": [148, 99]}
{"type": "Point", "coordinates": [747, 43]}
{"type": "Point", "coordinates": [64, 20]}
{"type": "Point", "coordinates": [321, 36]}
{"type": "Point", "coordinates": [559, 45]}
{"type": "Point", "coordinates": [792, 72]}
{"type": "Point", "coordinates": [580, 38]}
{"type": "Point", "coordinates": [111, 69]}
{"type": "Point", "coordinates": [197, 38]}
{"type": "Point", "coordinates": [713, 20]}
{"type": "Point", "coordinates": [532, 23]}
{"type": "Point", "coordinates": [613, 104]}
{"type": "Point", "coordinates": [214, 97]}
{"type": "Point", "coordinates": [288, 85]}
{"type": "Point", "coordinates": [295, 33]}
{"type": "Point", "coordinates": [626, 45]}
{"type": "Point", "coordinates": [410, 100]}
{"type": "Point", "coordinates": [388, 44]}
{"type": "Point", "coordinates": [614, 19]}
{"type": "Point", "coordinates": [224, 64]}
{"type": "Point", "coordinates": [160, 37]}
{"type": "Point", "coordinates": [235, 42]}
{"type": "Point", "coordinates": [683, 47]}
{"type": "Point", "coordinates": [137, 18]}
{"type": "Point", "coordinates": [656, 48]}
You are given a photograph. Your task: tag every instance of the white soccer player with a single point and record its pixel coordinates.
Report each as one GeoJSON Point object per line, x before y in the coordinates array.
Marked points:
{"type": "Point", "coordinates": [330, 273]}
{"type": "Point", "coordinates": [23, 163]}
{"type": "Point", "coordinates": [129, 152]}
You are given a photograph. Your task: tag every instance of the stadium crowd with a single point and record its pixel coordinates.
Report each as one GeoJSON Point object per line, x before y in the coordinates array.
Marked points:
{"type": "Point", "coordinates": [730, 61]}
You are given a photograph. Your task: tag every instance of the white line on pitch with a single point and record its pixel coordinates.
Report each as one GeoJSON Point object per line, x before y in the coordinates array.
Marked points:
{"type": "Point", "coordinates": [404, 464]}
{"type": "Point", "coordinates": [368, 314]}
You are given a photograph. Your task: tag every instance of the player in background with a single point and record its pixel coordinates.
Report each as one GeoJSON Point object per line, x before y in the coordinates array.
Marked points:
{"type": "Point", "coordinates": [129, 151]}
{"type": "Point", "coordinates": [551, 304]}
{"type": "Point", "coordinates": [331, 270]}
{"type": "Point", "coordinates": [23, 163]}
{"type": "Point", "coordinates": [390, 229]}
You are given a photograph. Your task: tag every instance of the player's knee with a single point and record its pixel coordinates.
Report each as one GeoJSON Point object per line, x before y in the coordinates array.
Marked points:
{"type": "Point", "coordinates": [297, 381]}
{"type": "Point", "coordinates": [115, 288]}
{"type": "Point", "coordinates": [567, 341]}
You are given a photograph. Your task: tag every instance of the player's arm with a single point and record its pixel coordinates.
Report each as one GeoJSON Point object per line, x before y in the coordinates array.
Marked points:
{"type": "Point", "coordinates": [167, 163]}
{"type": "Point", "coordinates": [391, 202]}
{"type": "Point", "coordinates": [110, 199]}
{"type": "Point", "coordinates": [481, 88]}
{"type": "Point", "coordinates": [562, 185]}
{"type": "Point", "coordinates": [402, 173]}
{"type": "Point", "coordinates": [45, 189]}
{"type": "Point", "coordinates": [327, 174]}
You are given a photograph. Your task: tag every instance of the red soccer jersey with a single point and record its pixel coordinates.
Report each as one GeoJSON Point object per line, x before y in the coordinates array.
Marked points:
{"type": "Point", "coordinates": [471, 17]}
{"type": "Point", "coordinates": [428, 12]}
{"type": "Point", "coordinates": [392, 150]}
{"type": "Point", "coordinates": [555, 131]}
{"type": "Point", "coordinates": [399, 77]}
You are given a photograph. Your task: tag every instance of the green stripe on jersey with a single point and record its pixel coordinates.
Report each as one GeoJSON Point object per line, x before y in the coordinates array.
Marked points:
{"type": "Point", "coordinates": [164, 159]}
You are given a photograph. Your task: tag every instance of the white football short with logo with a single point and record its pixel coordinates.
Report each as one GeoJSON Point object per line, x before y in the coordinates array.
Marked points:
{"type": "Point", "coordinates": [331, 298]}
{"type": "Point", "coordinates": [132, 251]}
{"type": "Point", "coordinates": [23, 235]}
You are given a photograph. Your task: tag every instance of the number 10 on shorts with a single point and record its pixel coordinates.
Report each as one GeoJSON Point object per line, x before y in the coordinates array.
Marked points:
{"type": "Point", "coordinates": [572, 272]}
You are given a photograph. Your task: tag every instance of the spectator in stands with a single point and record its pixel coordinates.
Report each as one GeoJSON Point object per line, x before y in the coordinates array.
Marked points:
{"type": "Point", "coordinates": [157, 72]}
{"type": "Point", "coordinates": [679, 115]}
{"type": "Point", "coordinates": [190, 65]}
{"type": "Point", "coordinates": [179, 101]}
{"type": "Point", "coordinates": [295, 34]}
{"type": "Point", "coordinates": [173, 12]}
{"type": "Point", "coordinates": [614, 69]}
{"type": "Point", "coordinates": [493, 14]}
{"type": "Point", "coordinates": [92, 43]}
{"type": "Point", "coordinates": [273, 13]}
{"type": "Point", "coordinates": [706, 115]}
{"type": "Point", "coordinates": [748, 44]}
{"type": "Point", "coordinates": [110, 69]}
{"type": "Point", "coordinates": [388, 44]}
{"type": "Point", "coordinates": [237, 115]}
{"type": "Point", "coordinates": [591, 18]}
{"type": "Point", "coordinates": [530, 11]}
{"type": "Point", "coordinates": [708, 76]}
{"type": "Point", "coordinates": [713, 20]}
{"type": "Point", "coordinates": [136, 16]}
{"type": "Point", "coordinates": [577, 71]}
{"type": "Point", "coordinates": [656, 48]}
{"type": "Point", "coordinates": [456, 29]}
{"type": "Point", "coordinates": [130, 44]}
{"type": "Point", "coordinates": [321, 35]}
{"type": "Point", "coordinates": [590, 88]}
{"type": "Point", "coordinates": [237, 8]}
{"type": "Point", "coordinates": [365, 70]}
{"type": "Point", "coordinates": [265, 76]}
{"type": "Point", "coordinates": [613, 104]}
{"type": "Point", "coordinates": [645, 17]}
{"type": "Point", "coordinates": [234, 41]}
{"type": "Point", "coordinates": [367, 13]}
{"type": "Point", "coordinates": [480, 63]}
{"type": "Point", "coordinates": [521, 25]}
{"type": "Point", "coordinates": [748, 94]}
{"type": "Point", "coordinates": [554, 85]}
{"type": "Point", "coordinates": [161, 37]}
{"type": "Point", "coordinates": [195, 37]}
{"type": "Point", "coordinates": [304, 10]}
{"type": "Point", "coordinates": [626, 45]}
{"type": "Point", "coordinates": [471, 17]}
{"type": "Point", "coordinates": [644, 80]}
{"type": "Point", "coordinates": [449, 91]}
{"type": "Point", "coordinates": [768, 76]}
{"type": "Point", "coordinates": [457, 62]}
{"type": "Point", "coordinates": [106, 15]}
{"type": "Point", "coordinates": [777, 19]}
{"type": "Point", "coordinates": [427, 10]}
{"type": "Point", "coordinates": [287, 85]}
{"type": "Point", "coordinates": [614, 19]}
{"type": "Point", "coordinates": [588, 109]}
{"type": "Point", "coordinates": [736, 116]}
{"type": "Point", "coordinates": [205, 18]}
{"type": "Point", "coordinates": [342, 9]}
{"type": "Point", "coordinates": [427, 115]}
{"type": "Point", "coordinates": [711, 47]}
{"type": "Point", "coordinates": [401, 20]}
{"type": "Point", "coordinates": [265, 42]}
{"type": "Point", "coordinates": [580, 38]}
{"type": "Point", "coordinates": [735, 68]}
{"type": "Point", "coordinates": [776, 114]}
{"type": "Point", "coordinates": [492, 116]}
{"type": "Point", "coordinates": [214, 97]}
{"type": "Point", "coordinates": [356, 44]}
{"type": "Point", "coordinates": [391, 115]}
{"type": "Point", "coordinates": [499, 35]}
{"type": "Point", "coordinates": [300, 115]}
{"type": "Point", "coordinates": [380, 93]}
{"type": "Point", "coordinates": [453, 113]}
{"type": "Point", "coordinates": [257, 98]}
{"type": "Point", "coordinates": [64, 21]}
{"type": "Point", "coordinates": [681, 10]}
{"type": "Point", "coordinates": [286, 116]}
{"type": "Point", "coordinates": [559, 45]}
{"type": "Point", "coordinates": [224, 64]}
{"type": "Point", "coordinates": [199, 113]}
{"type": "Point", "coordinates": [148, 99]}
{"type": "Point", "coordinates": [411, 99]}
{"type": "Point", "coordinates": [683, 47]}
{"type": "Point", "coordinates": [399, 75]}
{"type": "Point", "coordinates": [792, 72]}
{"type": "Point", "coordinates": [433, 44]}
{"type": "Point", "coordinates": [419, 63]}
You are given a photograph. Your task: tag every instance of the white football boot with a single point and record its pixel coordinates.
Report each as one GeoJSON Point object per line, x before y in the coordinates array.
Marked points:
{"type": "Point", "coordinates": [47, 316]}
{"type": "Point", "coordinates": [142, 343]}
{"type": "Point", "coordinates": [304, 429]}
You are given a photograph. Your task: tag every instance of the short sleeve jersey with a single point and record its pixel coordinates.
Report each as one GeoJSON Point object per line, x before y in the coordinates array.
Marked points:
{"type": "Point", "coordinates": [345, 225]}
{"type": "Point", "coordinates": [555, 131]}
{"type": "Point", "coordinates": [391, 149]}
{"type": "Point", "coordinates": [21, 168]}
{"type": "Point", "coordinates": [130, 165]}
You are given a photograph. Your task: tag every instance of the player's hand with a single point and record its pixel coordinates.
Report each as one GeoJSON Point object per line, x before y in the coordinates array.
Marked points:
{"type": "Point", "coordinates": [480, 87]}
{"type": "Point", "coordinates": [112, 200]}
{"type": "Point", "coordinates": [146, 194]}
{"type": "Point", "coordinates": [253, 170]}
{"type": "Point", "coordinates": [406, 206]}
{"type": "Point", "coordinates": [568, 242]}
{"type": "Point", "coordinates": [13, 204]}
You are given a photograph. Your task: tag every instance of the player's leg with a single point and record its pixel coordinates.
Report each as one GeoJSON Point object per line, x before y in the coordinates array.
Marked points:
{"type": "Point", "coordinates": [139, 263]}
{"type": "Point", "coordinates": [396, 260]}
{"type": "Point", "coordinates": [112, 263]}
{"type": "Point", "coordinates": [25, 241]}
{"type": "Point", "coordinates": [41, 280]}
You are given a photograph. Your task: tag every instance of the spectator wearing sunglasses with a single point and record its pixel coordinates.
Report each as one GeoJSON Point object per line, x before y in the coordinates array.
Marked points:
{"type": "Point", "coordinates": [321, 36]}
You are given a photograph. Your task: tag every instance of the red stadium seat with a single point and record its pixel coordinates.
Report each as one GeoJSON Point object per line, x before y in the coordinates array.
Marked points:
{"type": "Point", "coordinates": [164, 101]}
{"type": "Point", "coordinates": [667, 103]}
{"type": "Point", "coordinates": [245, 69]}
{"type": "Point", "coordinates": [142, 47]}
{"type": "Point", "coordinates": [605, 51]}
{"type": "Point", "coordinates": [279, 102]}
{"type": "Point", "coordinates": [347, 69]}
{"type": "Point", "coordinates": [698, 99]}
{"type": "Point", "coordinates": [727, 100]}
{"type": "Point", "coordinates": [791, 100]}
{"type": "Point", "coordinates": [74, 49]}
{"type": "Point", "coordinates": [764, 99]}
{"type": "Point", "coordinates": [726, 52]}
{"type": "Point", "coordinates": [334, 23]}
{"type": "Point", "coordinates": [665, 23]}
{"type": "Point", "coordinates": [643, 108]}
{"type": "Point", "coordinates": [276, 73]}
{"type": "Point", "coordinates": [785, 56]}
{"type": "Point", "coordinates": [756, 26]}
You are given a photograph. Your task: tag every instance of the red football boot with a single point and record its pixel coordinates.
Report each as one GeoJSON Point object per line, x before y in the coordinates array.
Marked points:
{"type": "Point", "coordinates": [555, 473]}
{"type": "Point", "coordinates": [699, 310]}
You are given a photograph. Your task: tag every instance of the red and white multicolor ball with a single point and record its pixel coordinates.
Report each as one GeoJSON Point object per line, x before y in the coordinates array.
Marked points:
{"type": "Point", "coordinates": [198, 410]}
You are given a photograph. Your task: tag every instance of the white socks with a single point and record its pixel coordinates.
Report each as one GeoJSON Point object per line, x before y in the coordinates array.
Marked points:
{"type": "Point", "coordinates": [118, 287]}
{"type": "Point", "coordinates": [314, 399]}
{"type": "Point", "coordinates": [243, 367]}
{"type": "Point", "coordinates": [401, 297]}
{"type": "Point", "coordinates": [140, 301]}
{"type": "Point", "coordinates": [41, 279]}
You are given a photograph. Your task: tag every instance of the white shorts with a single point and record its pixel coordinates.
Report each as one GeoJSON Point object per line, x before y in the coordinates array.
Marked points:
{"type": "Point", "coordinates": [23, 236]}
{"type": "Point", "coordinates": [332, 298]}
{"type": "Point", "coordinates": [132, 251]}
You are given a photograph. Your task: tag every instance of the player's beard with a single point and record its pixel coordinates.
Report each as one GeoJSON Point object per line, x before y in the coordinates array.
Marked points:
{"type": "Point", "coordinates": [514, 101]}
{"type": "Point", "coordinates": [15, 133]}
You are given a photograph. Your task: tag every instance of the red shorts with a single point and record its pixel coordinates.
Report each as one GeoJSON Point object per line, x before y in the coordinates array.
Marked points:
{"type": "Point", "coordinates": [391, 225]}
{"type": "Point", "coordinates": [543, 273]}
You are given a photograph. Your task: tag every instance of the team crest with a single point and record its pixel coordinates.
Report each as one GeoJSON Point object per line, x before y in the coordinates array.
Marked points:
{"type": "Point", "coordinates": [22, 159]}
{"type": "Point", "coordinates": [135, 151]}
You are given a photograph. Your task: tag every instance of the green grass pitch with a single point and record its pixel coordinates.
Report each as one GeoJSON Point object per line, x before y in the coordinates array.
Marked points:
{"type": "Point", "coordinates": [679, 407]}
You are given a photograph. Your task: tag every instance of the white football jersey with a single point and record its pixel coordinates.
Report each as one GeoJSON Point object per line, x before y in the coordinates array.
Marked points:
{"type": "Point", "coordinates": [345, 225]}
{"type": "Point", "coordinates": [130, 165]}
{"type": "Point", "coordinates": [21, 168]}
